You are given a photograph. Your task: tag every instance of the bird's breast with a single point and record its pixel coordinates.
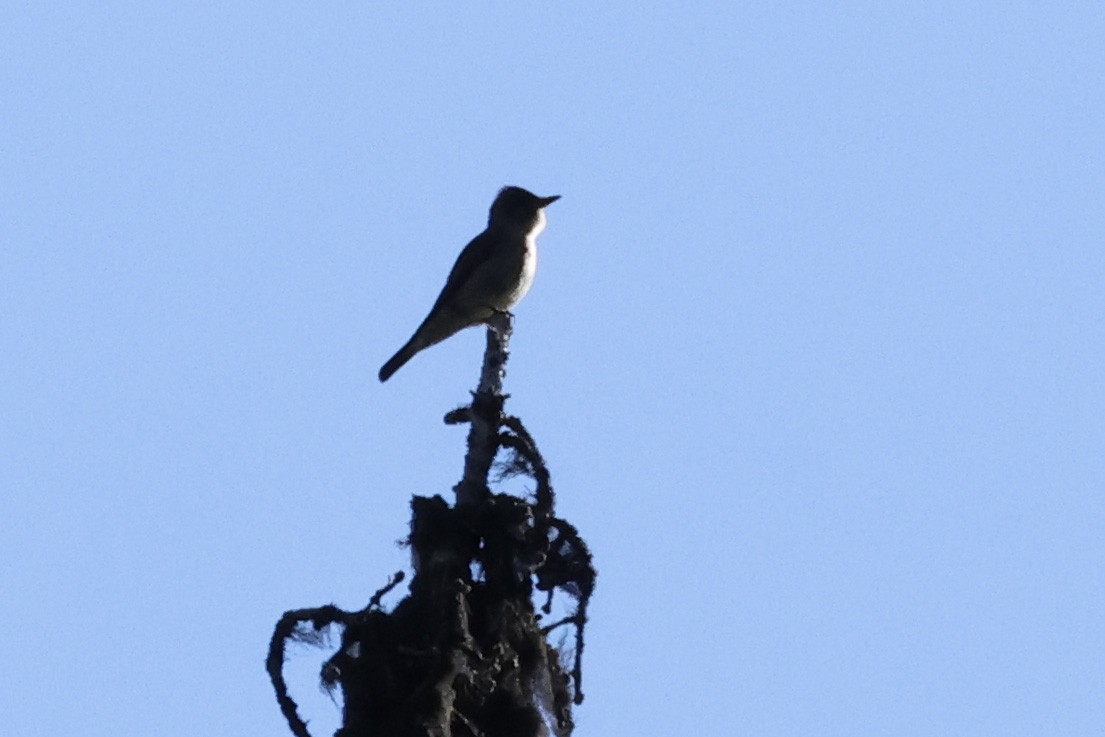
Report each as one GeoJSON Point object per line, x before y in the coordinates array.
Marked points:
{"type": "Point", "coordinates": [526, 271]}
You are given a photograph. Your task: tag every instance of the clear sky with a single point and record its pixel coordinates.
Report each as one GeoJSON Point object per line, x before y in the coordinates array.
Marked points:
{"type": "Point", "coordinates": [815, 350]}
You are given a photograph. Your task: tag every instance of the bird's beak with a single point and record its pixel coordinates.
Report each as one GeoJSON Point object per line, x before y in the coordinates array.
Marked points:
{"type": "Point", "coordinates": [546, 201]}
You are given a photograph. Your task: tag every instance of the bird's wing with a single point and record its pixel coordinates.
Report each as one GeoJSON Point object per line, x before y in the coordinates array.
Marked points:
{"type": "Point", "coordinates": [475, 254]}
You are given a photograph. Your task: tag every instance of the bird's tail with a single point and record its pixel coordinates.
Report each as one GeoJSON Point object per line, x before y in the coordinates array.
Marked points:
{"type": "Point", "coordinates": [396, 362]}
{"type": "Point", "coordinates": [441, 323]}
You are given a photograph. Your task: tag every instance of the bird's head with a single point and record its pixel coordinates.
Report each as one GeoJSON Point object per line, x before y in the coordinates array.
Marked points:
{"type": "Point", "coordinates": [515, 207]}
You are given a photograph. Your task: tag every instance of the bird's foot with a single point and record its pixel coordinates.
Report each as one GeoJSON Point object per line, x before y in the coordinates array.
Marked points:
{"type": "Point", "coordinates": [501, 321]}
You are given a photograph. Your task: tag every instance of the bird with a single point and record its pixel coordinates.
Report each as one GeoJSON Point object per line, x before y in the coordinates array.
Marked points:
{"type": "Point", "coordinates": [491, 275]}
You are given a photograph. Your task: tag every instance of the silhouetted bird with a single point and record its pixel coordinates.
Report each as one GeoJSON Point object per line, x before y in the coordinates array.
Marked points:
{"type": "Point", "coordinates": [491, 275]}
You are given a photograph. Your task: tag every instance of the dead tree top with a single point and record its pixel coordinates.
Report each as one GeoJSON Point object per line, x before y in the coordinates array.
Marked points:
{"type": "Point", "coordinates": [466, 652]}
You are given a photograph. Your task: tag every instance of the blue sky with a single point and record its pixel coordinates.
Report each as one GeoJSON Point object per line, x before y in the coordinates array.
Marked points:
{"type": "Point", "coordinates": [814, 351]}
